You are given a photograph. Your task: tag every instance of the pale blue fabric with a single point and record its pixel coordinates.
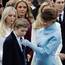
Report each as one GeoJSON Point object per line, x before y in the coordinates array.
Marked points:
{"type": "Point", "coordinates": [45, 44]}
{"type": "Point", "coordinates": [48, 39]}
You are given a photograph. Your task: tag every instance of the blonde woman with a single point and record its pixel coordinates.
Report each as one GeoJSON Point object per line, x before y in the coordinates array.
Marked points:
{"type": "Point", "coordinates": [46, 34]}
{"type": "Point", "coordinates": [7, 20]}
{"type": "Point", "coordinates": [6, 25]}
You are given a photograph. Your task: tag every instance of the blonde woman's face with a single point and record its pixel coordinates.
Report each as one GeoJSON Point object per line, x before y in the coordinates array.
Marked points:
{"type": "Point", "coordinates": [21, 9]}
{"type": "Point", "coordinates": [10, 19]}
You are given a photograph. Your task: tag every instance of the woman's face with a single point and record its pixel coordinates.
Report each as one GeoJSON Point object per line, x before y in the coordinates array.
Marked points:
{"type": "Point", "coordinates": [10, 19]}
{"type": "Point", "coordinates": [21, 9]}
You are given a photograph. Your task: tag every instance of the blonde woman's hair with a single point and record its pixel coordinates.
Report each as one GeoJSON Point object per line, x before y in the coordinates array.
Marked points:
{"type": "Point", "coordinates": [47, 13]}
{"type": "Point", "coordinates": [38, 22]}
{"type": "Point", "coordinates": [5, 13]}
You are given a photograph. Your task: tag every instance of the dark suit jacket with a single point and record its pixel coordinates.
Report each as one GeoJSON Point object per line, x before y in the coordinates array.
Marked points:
{"type": "Point", "coordinates": [63, 35]}
{"type": "Point", "coordinates": [4, 2]}
{"type": "Point", "coordinates": [12, 54]}
{"type": "Point", "coordinates": [35, 12]}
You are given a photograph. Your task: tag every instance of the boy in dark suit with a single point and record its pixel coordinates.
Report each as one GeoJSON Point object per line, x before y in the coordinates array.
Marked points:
{"type": "Point", "coordinates": [12, 48]}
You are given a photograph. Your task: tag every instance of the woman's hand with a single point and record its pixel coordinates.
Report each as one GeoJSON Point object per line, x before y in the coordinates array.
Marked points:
{"type": "Point", "coordinates": [62, 56]}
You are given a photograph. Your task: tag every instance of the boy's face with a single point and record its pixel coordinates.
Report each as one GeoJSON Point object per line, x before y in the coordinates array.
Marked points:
{"type": "Point", "coordinates": [21, 31]}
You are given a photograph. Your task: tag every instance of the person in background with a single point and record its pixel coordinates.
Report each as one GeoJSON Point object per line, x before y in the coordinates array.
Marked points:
{"type": "Point", "coordinates": [35, 3]}
{"type": "Point", "coordinates": [6, 25]}
{"type": "Point", "coordinates": [10, 3]}
{"type": "Point", "coordinates": [4, 2]}
{"type": "Point", "coordinates": [59, 4]}
{"type": "Point", "coordinates": [1, 10]}
{"type": "Point", "coordinates": [31, 6]}
{"type": "Point", "coordinates": [35, 11]}
{"type": "Point", "coordinates": [13, 52]}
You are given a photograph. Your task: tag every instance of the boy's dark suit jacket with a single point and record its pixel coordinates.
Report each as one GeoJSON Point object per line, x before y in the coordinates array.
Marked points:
{"type": "Point", "coordinates": [12, 54]}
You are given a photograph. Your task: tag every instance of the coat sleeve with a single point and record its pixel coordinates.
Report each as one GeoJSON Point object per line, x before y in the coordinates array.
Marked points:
{"type": "Point", "coordinates": [51, 46]}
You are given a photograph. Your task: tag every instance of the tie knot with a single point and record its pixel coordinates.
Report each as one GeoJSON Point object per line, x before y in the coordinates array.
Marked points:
{"type": "Point", "coordinates": [21, 39]}
{"type": "Point", "coordinates": [60, 17]}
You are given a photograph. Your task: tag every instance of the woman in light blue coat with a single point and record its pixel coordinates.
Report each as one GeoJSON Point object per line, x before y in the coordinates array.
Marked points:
{"type": "Point", "coordinates": [46, 36]}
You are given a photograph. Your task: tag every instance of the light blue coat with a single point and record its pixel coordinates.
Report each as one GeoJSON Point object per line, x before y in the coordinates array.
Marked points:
{"type": "Point", "coordinates": [45, 42]}
{"type": "Point", "coordinates": [48, 39]}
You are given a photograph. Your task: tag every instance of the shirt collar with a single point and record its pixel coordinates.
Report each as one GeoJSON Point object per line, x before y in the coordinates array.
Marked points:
{"type": "Point", "coordinates": [62, 13]}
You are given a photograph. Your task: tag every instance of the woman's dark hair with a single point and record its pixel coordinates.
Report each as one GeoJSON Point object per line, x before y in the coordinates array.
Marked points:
{"type": "Point", "coordinates": [49, 14]}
